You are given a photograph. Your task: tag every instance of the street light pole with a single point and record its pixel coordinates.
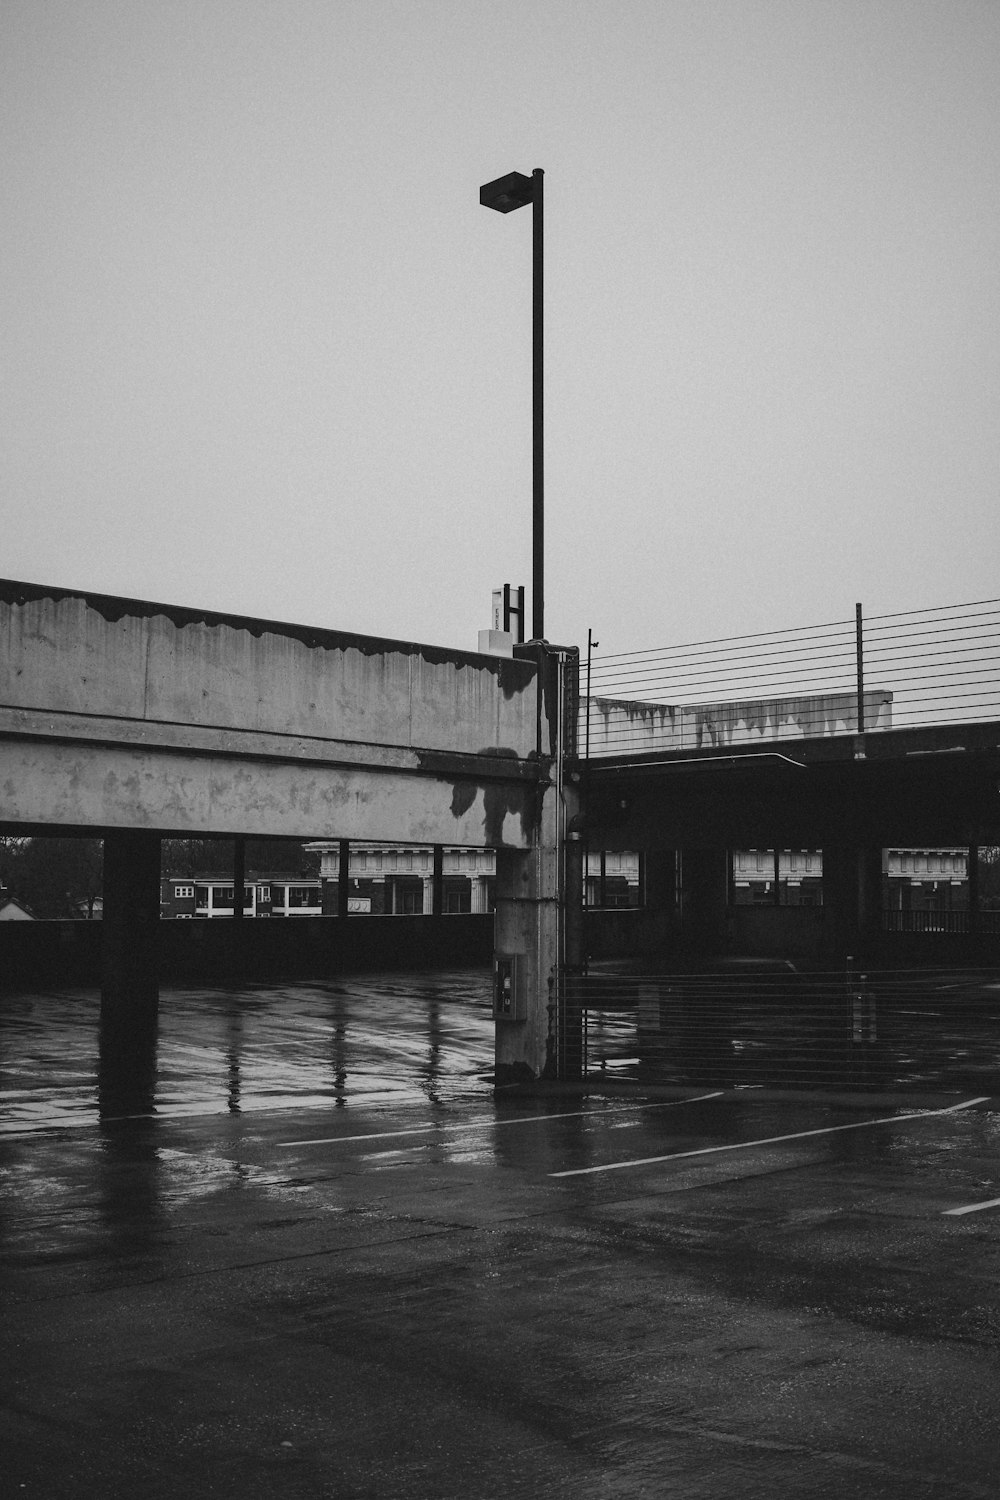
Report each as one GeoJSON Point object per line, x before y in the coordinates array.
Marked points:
{"type": "Point", "coordinates": [537, 408]}
{"type": "Point", "coordinates": [505, 194]}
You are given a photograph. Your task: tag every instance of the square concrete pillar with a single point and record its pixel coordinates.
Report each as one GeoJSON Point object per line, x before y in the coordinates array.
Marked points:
{"type": "Point", "coordinates": [130, 981]}
{"type": "Point", "coordinates": [536, 1034]}
{"type": "Point", "coordinates": [852, 898]}
{"type": "Point", "coordinates": [533, 922]}
{"type": "Point", "coordinates": [526, 926]}
{"type": "Point", "coordinates": [704, 900]}
{"type": "Point", "coordinates": [659, 897]}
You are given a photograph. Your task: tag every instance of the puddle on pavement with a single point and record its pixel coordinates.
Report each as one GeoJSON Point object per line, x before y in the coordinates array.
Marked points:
{"type": "Point", "coordinates": [365, 1038]}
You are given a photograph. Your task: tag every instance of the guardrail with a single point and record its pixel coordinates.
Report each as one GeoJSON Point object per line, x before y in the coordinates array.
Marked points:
{"type": "Point", "coordinates": [903, 670]}
{"type": "Point", "coordinates": [769, 1025]}
{"type": "Point", "coordinates": [941, 921]}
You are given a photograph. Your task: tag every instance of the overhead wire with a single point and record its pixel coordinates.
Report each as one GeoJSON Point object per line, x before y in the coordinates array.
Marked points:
{"type": "Point", "coordinates": [932, 665]}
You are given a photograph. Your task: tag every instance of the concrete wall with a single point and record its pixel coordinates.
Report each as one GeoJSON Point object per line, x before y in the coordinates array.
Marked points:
{"type": "Point", "coordinates": [90, 655]}
{"type": "Point", "coordinates": [798, 933]}
{"type": "Point", "coordinates": [623, 727]}
{"type": "Point", "coordinates": [627, 932]}
{"type": "Point", "coordinates": [69, 953]}
{"type": "Point", "coordinates": [795, 932]}
{"type": "Point", "coordinates": [802, 934]}
{"type": "Point", "coordinates": [121, 714]}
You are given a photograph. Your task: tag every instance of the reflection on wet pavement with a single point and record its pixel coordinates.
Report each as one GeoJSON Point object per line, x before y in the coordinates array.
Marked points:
{"type": "Point", "coordinates": [394, 1037]}
{"type": "Point", "coordinates": [331, 1262]}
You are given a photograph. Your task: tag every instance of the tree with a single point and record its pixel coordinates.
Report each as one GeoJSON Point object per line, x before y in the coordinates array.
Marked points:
{"type": "Point", "coordinates": [54, 877]}
{"type": "Point", "coordinates": [989, 875]}
{"type": "Point", "coordinates": [213, 856]}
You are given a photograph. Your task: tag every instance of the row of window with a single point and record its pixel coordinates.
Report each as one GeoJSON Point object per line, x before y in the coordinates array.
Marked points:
{"type": "Point", "coordinates": [225, 895]}
{"type": "Point", "coordinates": [398, 895]}
{"type": "Point", "coordinates": [758, 877]}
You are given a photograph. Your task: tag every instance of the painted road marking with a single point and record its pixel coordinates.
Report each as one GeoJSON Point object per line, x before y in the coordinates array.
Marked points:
{"type": "Point", "coordinates": [974, 1208]}
{"type": "Point", "coordinates": [575, 1114]}
{"type": "Point", "coordinates": [770, 1140]}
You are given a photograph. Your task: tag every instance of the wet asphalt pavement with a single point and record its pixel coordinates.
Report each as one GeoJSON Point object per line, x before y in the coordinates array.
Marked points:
{"type": "Point", "coordinates": [332, 1264]}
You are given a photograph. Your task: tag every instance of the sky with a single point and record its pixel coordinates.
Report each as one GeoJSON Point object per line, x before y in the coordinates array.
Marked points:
{"type": "Point", "coordinates": [262, 351]}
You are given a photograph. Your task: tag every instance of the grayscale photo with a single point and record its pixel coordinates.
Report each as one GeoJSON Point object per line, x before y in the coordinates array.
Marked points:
{"type": "Point", "coordinates": [500, 750]}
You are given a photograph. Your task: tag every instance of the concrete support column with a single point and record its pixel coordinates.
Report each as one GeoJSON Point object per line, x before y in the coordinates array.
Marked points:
{"type": "Point", "coordinates": [478, 884]}
{"type": "Point", "coordinates": [869, 865]}
{"type": "Point", "coordinates": [239, 877]}
{"type": "Point", "coordinates": [704, 899]}
{"type": "Point", "coordinates": [130, 988]}
{"type": "Point", "coordinates": [852, 896]}
{"type": "Point", "coordinates": [659, 897]}
{"type": "Point", "coordinates": [531, 922]}
{"type": "Point", "coordinates": [343, 877]}
{"type": "Point", "coordinates": [437, 880]}
{"type": "Point", "coordinates": [526, 926]}
{"type": "Point", "coordinates": [236, 937]}
{"type": "Point", "coordinates": [427, 882]}
{"type": "Point", "coordinates": [538, 1035]}
{"type": "Point", "coordinates": [973, 887]}
{"type": "Point", "coordinates": [570, 1019]}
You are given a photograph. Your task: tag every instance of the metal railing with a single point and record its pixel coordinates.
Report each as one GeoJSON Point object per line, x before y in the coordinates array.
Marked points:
{"type": "Point", "coordinates": [772, 1026]}
{"type": "Point", "coordinates": [901, 670]}
{"type": "Point", "coordinates": [894, 920]}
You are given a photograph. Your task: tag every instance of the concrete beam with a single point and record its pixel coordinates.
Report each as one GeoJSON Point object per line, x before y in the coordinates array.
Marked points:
{"type": "Point", "coordinates": [199, 739]}
{"type": "Point", "coordinates": [121, 714]}
{"type": "Point", "coordinates": [88, 786]}
{"type": "Point", "coordinates": [126, 660]}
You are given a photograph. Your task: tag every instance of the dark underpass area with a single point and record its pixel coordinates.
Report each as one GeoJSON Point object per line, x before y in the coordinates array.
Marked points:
{"type": "Point", "coordinates": [327, 1259]}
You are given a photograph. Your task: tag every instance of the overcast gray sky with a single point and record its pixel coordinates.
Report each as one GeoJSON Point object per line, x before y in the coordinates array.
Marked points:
{"type": "Point", "coordinates": [263, 351]}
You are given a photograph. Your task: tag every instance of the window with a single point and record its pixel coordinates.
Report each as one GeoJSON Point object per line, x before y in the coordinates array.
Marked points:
{"type": "Point", "coordinates": [184, 892]}
{"type": "Point", "coordinates": [784, 877]}
{"type": "Point", "coordinates": [457, 896]}
{"type": "Point", "coordinates": [302, 895]}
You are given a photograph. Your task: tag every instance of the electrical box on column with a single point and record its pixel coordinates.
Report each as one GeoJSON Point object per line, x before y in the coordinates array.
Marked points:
{"type": "Point", "coordinates": [509, 999]}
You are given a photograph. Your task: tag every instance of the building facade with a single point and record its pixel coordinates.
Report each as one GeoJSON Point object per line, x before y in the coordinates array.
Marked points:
{"type": "Point", "coordinates": [396, 880]}
{"type": "Point", "coordinates": [385, 880]}
{"type": "Point", "coordinates": [264, 896]}
{"type": "Point", "coordinates": [927, 880]}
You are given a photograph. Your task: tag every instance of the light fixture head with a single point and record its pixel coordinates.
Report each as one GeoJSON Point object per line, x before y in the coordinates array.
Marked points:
{"type": "Point", "coordinates": [506, 193]}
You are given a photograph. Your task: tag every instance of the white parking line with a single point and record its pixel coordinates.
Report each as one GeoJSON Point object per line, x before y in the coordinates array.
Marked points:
{"type": "Point", "coordinates": [973, 1208]}
{"type": "Point", "coordinates": [575, 1114]}
{"type": "Point", "coordinates": [770, 1140]}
